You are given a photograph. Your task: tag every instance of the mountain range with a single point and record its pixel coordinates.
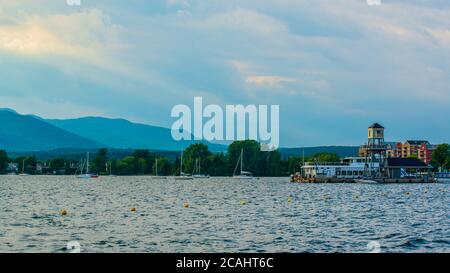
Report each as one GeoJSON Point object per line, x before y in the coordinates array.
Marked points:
{"type": "Point", "coordinates": [31, 133]}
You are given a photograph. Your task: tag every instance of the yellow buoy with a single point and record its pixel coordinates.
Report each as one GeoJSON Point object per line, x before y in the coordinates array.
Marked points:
{"type": "Point", "coordinates": [186, 205]}
{"type": "Point", "coordinates": [63, 212]}
{"type": "Point", "coordinates": [290, 199]}
{"type": "Point", "coordinates": [133, 209]}
{"type": "Point", "coordinates": [243, 202]}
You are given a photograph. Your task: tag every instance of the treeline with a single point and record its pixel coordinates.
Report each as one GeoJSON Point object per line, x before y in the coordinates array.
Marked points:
{"type": "Point", "coordinates": [440, 159]}
{"type": "Point", "coordinates": [196, 156]}
{"type": "Point", "coordinates": [143, 162]}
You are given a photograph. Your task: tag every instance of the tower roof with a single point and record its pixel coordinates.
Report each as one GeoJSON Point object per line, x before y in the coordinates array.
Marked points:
{"type": "Point", "coordinates": [376, 126]}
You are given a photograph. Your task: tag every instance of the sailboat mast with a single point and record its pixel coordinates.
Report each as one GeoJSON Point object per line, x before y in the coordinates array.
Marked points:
{"type": "Point", "coordinates": [181, 164]}
{"type": "Point", "coordinates": [242, 158]}
{"type": "Point", "coordinates": [87, 163]}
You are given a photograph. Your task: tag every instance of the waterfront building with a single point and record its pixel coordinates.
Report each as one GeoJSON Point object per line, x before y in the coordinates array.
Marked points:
{"type": "Point", "coordinates": [379, 162]}
{"type": "Point", "coordinates": [421, 149]}
{"type": "Point", "coordinates": [397, 167]}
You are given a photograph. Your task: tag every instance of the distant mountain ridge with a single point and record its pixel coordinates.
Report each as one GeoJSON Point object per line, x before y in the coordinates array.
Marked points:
{"type": "Point", "coordinates": [30, 133]}
{"type": "Point", "coordinates": [124, 134]}
{"type": "Point", "coordinates": [26, 133]}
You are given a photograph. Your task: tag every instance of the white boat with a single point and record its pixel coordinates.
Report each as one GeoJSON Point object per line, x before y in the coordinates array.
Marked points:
{"type": "Point", "coordinates": [156, 172]}
{"type": "Point", "coordinates": [86, 175]}
{"type": "Point", "coordinates": [243, 174]}
{"type": "Point", "coordinates": [197, 174]}
{"type": "Point", "coordinates": [443, 177]}
{"type": "Point", "coordinates": [183, 176]}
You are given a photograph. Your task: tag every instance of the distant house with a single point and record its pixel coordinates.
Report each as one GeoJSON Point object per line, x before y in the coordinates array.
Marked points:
{"type": "Point", "coordinates": [397, 167]}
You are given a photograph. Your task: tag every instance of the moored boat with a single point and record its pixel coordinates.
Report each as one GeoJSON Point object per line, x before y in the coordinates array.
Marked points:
{"type": "Point", "coordinates": [243, 174]}
{"type": "Point", "coordinates": [86, 175]}
{"type": "Point", "coordinates": [183, 176]}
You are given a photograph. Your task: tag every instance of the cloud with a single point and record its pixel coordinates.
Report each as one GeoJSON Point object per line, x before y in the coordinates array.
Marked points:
{"type": "Point", "coordinates": [268, 80]}
{"type": "Point", "coordinates": [334, 58]}
{"type": "Point", "coordinates": [81, 35]}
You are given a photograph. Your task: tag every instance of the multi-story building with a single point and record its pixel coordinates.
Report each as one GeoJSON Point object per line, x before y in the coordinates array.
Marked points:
{"type": "Point", "coordinates": [422, 149]}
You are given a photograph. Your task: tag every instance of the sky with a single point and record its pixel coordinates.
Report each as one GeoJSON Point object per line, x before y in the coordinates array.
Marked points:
{"type": "Point", "coordinates": [333, 67]}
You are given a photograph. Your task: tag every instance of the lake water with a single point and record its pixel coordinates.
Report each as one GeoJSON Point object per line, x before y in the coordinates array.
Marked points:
{"type": "Point", "coordinates": [224, 215]}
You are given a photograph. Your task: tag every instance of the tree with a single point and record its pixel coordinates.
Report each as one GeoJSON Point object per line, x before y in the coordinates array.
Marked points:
{"type": "Point", "coordinates": [57, 164]}
{"type": "Point", "coordinates": [251, 150]}
{"type": "Point", "coordinates": [294, 164]}
{"type": "Point", "coordinates": [274, 163]}
{"type": "Point", "coordinates": [193, 154]}
{"type": "Point", "coordinates": [99, 163]}
{"type": "Point", "coordinates": [218, 165]}
{"type": "Point", "coordinates": [3, 161]}
{"type": "Point", "coordinates": [325, 157]}
{"type": "Point", "coordinates": [144, 161]}
{"type": "Point", "coordinates": [125, 166]}
{"type": "Point", "coordinates": [164, 167]}
{"type": "Point", "coordinates": [441, 156]}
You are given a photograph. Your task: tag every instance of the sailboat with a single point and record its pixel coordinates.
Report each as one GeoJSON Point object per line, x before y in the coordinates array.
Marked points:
{"type": "Point", "coordinates": [183, 176]}
{"type": "Point", "coordinates": [197, 168]}
{"type": "Point", "coordinates": [243, 174]}
{"type": "Point", "coordinates": [86, 175]}
{"type": "Point", "coordinates": [23, 169]}
{"type": "Point", "coordinates": [156, 172]}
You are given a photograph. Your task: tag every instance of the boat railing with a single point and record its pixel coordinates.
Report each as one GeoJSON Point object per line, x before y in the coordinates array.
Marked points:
{"type": "Point", "coordinates": [327, 164]}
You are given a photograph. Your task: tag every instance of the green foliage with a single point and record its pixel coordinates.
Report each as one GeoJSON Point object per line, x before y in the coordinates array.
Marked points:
{"type": "Point", "coordinates": [3, 161]}
{"type": "Point", "coordinates": [143, 162]}
{"type": "Point", "coordinates": [194, 153]}
{"type": "Point", "coordinates": [251, 150]}
{"type": "Point", "coordinates": [164, 167]}
{"type": "Point", "coordinates": [57, 164]}
{"type": "Point", "coordinates": [325, 157]}
{"type": "Point", "coordinates": [100, 161]}
{"type": "Point", "coordinates": [441, 156]}
{"type": "Point", "coordinates": [217, 165]}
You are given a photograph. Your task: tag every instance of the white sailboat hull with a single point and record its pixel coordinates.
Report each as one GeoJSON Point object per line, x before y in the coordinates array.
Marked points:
{"type": "Point", "coordinates": [184, 178]}
{"type": "Point", "coordinates": [87, 176]}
